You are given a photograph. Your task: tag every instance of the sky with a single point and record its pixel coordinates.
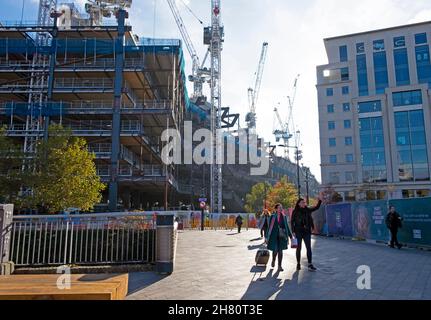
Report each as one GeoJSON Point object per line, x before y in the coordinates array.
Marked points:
{"type": "Point", "coordinates": [294, 30]}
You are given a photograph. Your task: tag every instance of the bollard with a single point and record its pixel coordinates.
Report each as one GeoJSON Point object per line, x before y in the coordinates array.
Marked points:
{"type": "Point", "coordinates": [6, 214]}
{"type": "Point", "coordinates": [165, 244]}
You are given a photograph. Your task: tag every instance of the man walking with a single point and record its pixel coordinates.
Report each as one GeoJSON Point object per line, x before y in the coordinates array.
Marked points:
{"type": "Point", "coordinates": [238, 222]}
{"type": "Point", "coordinates": [393, 222]}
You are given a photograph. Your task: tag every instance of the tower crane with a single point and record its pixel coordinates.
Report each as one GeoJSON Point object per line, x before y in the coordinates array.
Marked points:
{"type": "Point", "coordinates": [253, 94]}
{"type": "Point", "coordinates": [286, 129]}
{"type": "Point", "coordinates": [200, 74]}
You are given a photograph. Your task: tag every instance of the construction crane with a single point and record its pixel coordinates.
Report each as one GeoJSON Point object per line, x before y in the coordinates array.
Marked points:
{"type": "Point", "coordinates": [253, 94]}
{"type": "Point", "coordinates": [200, 74]}
{"type": "Point", "coordinates": [214, 36]}
{"type": "Point", "coordinates": [284, 130]}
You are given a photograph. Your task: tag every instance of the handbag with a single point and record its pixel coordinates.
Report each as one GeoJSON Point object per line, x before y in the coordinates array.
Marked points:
{"type": "Point", "coordinates": [294, 243]}
{"type": "Point", "coordinates": [282, 234]}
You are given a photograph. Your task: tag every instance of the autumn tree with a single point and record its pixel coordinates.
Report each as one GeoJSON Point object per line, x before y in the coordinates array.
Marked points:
{"type": "Point", "coordinates": [283, 192]}
{"type": "Point", "coordinates": [65, 173]}
{"type": "Point", "coordinates": [254, 201]}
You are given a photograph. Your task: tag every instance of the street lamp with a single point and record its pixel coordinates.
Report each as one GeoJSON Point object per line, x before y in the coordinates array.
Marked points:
{"type": "Point", "coordinates": [298, 156]}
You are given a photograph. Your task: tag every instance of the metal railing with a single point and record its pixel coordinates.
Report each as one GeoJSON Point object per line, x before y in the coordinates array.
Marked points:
{"type": "Point", "coordinates": [192, 220]}
{"type": "Point", "coordinates": [116, 238]}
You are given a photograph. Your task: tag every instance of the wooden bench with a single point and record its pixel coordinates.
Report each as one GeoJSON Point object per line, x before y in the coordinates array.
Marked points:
{"type": "Point", "coordinates": [82, 287]}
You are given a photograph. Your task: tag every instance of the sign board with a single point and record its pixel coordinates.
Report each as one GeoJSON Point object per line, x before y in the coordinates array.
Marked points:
{"type": "Point", "coordinates": [203, 199]}
{"type": "Point", "coordinates": [202, 204]}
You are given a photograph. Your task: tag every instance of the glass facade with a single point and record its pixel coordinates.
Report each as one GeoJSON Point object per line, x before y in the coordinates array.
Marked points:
{"type": "Point", "coordinates": [331, 125]}
{"type": "Point", "coordinates": [333, 159]}
{"type": "Point", "coordinates": [380, 71]}
{"type": "Point", "coordinates": [329, 92]}
{"type": "Point", "coordinates": [407, 98]}
{"type": "Point", "coordinates": [411, 146]}
{"type": "Point", "coordinates": [372, 150]}
{"type": "Point", "coordinates": [346, 107]}
{"type": "Point", "coordinates": [420, 38]}
{"type": "Point", "coordinates": [345, 90]}
{"type": "Point", "coordinates": [361, 64]}
{"type": "Point", "coordinates": [347, 124]}
{"type": "Point", "coordinates": [423, 64]}
{"type": "Point", "coordinates": [399, 42]}
{"type": "Point", "coordinates": [343, 53]}
{"type": "Point", "coordinates": [348, 141]}
{"type": "Point", "coordinates": [369, 106]}
{"type": "Point", "coordinates": [331, 108]}
{"type": "Point", "coordinates": [332, 142]}
{"type": "Point", "coordinates": [349, 158]}
{"type": "Point", "coordinates": [401, 61]}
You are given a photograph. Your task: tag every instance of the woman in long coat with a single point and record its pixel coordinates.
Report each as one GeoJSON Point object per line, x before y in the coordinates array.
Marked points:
{"type": "Point", "coordinates": [278, 235]}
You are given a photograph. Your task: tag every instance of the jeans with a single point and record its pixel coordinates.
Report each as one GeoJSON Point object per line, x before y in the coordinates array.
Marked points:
{"type": "Point", "coordinates": [307, 240]}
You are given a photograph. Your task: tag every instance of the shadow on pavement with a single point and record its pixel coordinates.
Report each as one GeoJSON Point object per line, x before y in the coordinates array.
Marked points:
{"type": "Point", "coordinates": [139, 281]}
{"type": "Point", "coordinates": [257, 246]}
{"type": "Point", "coordinates": [263, 288]}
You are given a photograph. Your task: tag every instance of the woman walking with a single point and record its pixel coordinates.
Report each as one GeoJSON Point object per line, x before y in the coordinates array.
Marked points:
{"type": "Point", "coordinates": [263, 223]}
{"type": "Point", "coordinates": [302, 226]}
{"type": "Point", "coordinates": [278, 235]}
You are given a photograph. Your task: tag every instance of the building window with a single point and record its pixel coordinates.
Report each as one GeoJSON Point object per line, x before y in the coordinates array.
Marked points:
{"type": "Point", "coordinates": [347, 124]}
{"type": "Point", "coordinates": [421, 38]}
{"type": "Point", "coordinates": [331, 125]}
{"type": "Point", "coordinates": [346, 107]}
{"type": "Point", "coordinates": [399, 42]}
{"type": "Point", "coordinates": [343, 53]}
{"type": "Point", "coordinates": [348, 141]}
{"type": "Point", "coordinates": [345, 90]}
{"type": "Point", "coordinates": [411, 146]}
{"type": "Point", "coordinates": [407, 98]}
{"type": "Point", "coordinates": [331, 108]}
{"type": "Point", "coordinates": [350, 177]}
{"type": "Point", "coordinates": [344, 74]}
{"type": "Point", "coordinates": [379, 45]}
{"type": "Point", "coordinates": [401, 67]}
{"type": "Point", "coordinates": [334, 178]}
{"type": "Point", "coordinates": [329, 92]}
{"type": "Point", "coordinates": [332, 159]}
{"type": "Point", "coordinates": [372, 150]}
{"type": "Point", "coordinates": [408, 194]}
{"type": "Point", "coordinates": [349, 158]}
{"type": "Point", "coordinates": [380, 71]}
{"type": "Point", "coordinates": [361, 65]}
{"type": "Point", "coordinates": [422, 193]}
{"type": "Point", "coordinates": [332, 142]}
{"type": "Point", "coordinates": [360, 48]}
{"type": "Point", "coordinates": [370, 106]}
{"type": "Point", "coordinates": [423, 64]}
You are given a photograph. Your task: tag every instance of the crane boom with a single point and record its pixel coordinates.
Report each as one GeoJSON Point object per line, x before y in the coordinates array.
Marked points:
{"type": "Point", "coordinates": [259, 75]}
{"type": "Point", "coordinates": [253, 94]}
{"type": "Point", "coordinates": [196, 76]}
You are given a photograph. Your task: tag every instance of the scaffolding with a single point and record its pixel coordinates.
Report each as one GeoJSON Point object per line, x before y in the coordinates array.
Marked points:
{"type": "Point", "coordinates": [109, 87]}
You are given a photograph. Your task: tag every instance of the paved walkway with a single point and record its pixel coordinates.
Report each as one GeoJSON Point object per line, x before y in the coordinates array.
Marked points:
{"type": "Point", "coordinates": [220, 265]}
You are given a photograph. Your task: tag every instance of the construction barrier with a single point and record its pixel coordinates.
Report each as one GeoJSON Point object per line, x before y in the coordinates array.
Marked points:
{"type": "Point", "coordinates": [366, 220]}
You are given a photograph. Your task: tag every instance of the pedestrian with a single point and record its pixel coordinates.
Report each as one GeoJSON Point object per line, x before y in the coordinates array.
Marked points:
{"type": "Point", "coordinates": [263, 223]}
{"type": "Point", "coordinates": [302, 226]}
{"type": "Point", "coordinates": [238, 222]}
{"type": "Point", "coordinates": [393, 222]}
{"type": "Point", "coordinates": [278, 235]}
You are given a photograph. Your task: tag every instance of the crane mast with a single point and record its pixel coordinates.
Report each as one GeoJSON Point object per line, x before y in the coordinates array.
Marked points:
{"type": "Point", "coordinates": [253, 94]}
{"type": "Point", "coordinates": [216, 40]}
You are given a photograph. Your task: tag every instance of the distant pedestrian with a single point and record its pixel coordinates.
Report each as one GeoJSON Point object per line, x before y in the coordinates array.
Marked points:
{"type": "Point", "coordinates": [238, 222]}
{"type": "Point", "coordinates": [394, 222]}
{"type": "Point", "coordinates": [302, 225]}
{"type": "Point", "coordinates": [278, 235]}
{"type": "Point", "coordinates": [263, 223]}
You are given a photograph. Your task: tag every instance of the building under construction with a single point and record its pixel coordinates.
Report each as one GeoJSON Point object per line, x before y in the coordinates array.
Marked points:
{"type": "Point", "coordinates": [119, 92]}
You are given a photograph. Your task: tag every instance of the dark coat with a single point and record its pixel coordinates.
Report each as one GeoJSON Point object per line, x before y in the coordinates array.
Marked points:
{"type": "Point", "coordinates": [238, 221]}
{"type": "Point", "coordinates": [274, 242]}
{"type": "Point", "coordinates": [302, 220]}
{"type": "Point", "coordinates": [393, 220]}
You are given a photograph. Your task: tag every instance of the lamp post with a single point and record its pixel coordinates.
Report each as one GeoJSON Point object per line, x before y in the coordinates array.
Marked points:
{"type": "Point", "coordinates": [298, 156]}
